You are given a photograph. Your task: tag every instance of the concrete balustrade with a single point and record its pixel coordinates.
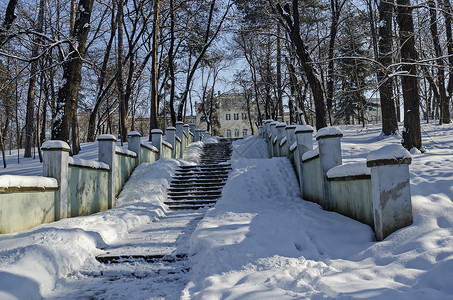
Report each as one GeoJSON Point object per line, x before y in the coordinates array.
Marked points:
{"type": "Point", "coordinates": [376, 193]}
{"type": "Point", "coordinates": [74, 187]}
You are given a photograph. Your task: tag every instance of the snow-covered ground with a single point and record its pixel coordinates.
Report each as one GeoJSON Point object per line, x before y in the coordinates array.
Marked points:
{"type": "Point", "coordinates": [261, 240]}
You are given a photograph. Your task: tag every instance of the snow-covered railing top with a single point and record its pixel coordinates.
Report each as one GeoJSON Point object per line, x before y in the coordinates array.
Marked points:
{"type": "Point", "coordinates": [11, 183]}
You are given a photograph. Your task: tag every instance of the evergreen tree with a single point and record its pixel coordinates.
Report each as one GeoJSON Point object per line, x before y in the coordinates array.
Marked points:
{"type": "Point", "coordinates": [353, 73]}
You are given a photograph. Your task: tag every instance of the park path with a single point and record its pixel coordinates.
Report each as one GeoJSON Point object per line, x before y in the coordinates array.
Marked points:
{"type": "Point", "coordinates": [152, 261]}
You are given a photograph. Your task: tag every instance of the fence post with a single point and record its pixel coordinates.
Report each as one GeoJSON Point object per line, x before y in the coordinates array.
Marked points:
{"type": "Point", "coordinates": [180, 134]}
{"type": "Point", "coordinates": [390, 189]}
{"type": "Point", "coordinates": [186, 129]}
{"type": "Point", "coordinates": [290, 136]}
{"type": "Point", "coordinates": [272, 135]}
{"type": "Point", "coordinates": [171, 138]}
{"type": "Point", "coordinates": [106, 146]}
{"type": "Point", "coordinates": [133, 144]}
{"type": "Point", "coordinates": [280, 136]}
{"type": "Point", "coordinates": [330, 156]}
{"type": "Point", "coordinates": [156, 139]}
{"type": "Point", "coordinates": [197, 135]}
{"type": "Point", "coordinates": [192, 128]}
{"type": "Point", "coordinates": [304, 138]}
{"type": "Point", "coordinates": [55, 164]}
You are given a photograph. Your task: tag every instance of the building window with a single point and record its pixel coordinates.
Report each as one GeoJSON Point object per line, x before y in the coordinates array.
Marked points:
{"type": "Point", "coordinates": [244, 132]}
{"type": "Point", "coordinates": [244, 116]}
{"type": "Point", "coordinates": [236, 132]}
{"type": "Point", "coordinates": [228, 133]}
{"type": "Point", "coordinates": [236, 116]}
{"type": "Point", "coordinates": [228, 117]}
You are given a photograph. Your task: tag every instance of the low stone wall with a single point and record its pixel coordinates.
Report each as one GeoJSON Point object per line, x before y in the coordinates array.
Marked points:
{"type": "Point", "coordinates": [87, 182]}
{"type": "Point", "coordinates": [375, 192]}
{"type": "Point", "coordinates": [26, 202]}
{"type": "Point", "coordinates": [74, 187]}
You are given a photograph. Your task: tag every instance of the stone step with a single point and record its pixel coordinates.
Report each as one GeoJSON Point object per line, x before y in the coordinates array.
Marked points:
{"type": "Point", "coordinates": [112, 258]}
{"type": "Point", "coordinates": [190, 202]}
{"type": "Point", "coordinates": [194, 197]}
{"type": "Point", "coordinates": [200, 176]}
{"type": "Point", "coordinates": [196, 185]}
{"type": "Point", "coordinates": [188, 207]}
{"type": "Point", "coordinates": [195, 193]}
{"type": "Point", "coordinates": [195, 189]}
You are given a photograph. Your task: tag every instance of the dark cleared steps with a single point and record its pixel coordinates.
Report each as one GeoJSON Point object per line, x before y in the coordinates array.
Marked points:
{"type": "Point", "coordinates": [193, 187]}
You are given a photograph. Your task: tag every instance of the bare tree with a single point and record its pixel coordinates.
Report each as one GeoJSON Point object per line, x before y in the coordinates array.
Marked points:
{"type": "Point", "coordinates": [72, 65]}
{"type": "Point", "coordinates": [412, 132]}
{"type": "Point", "coordinates": [291, 22]}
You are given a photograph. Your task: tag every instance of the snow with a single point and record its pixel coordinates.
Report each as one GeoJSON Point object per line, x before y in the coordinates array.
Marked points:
{"type": "Point", "coordinates": [347, 170]}
{"type": "Point", "coordinates": [261, 240]}
{"type": "Point", "coordinates": [304, 128]}
{"type": "Point", "coordinates": [88, 163]}
{"type": "Point", "coordinates": [329, 131]}
{"type": "Point", "coordinates": [310, 154]}
{"type": "Point", "coordinates": [125, 151]}
{"type": "Point", "coordinates": [283, 141]}
{"type": "Point", "coordinates": [392, 152]}
{"type": "Point", "coordinates": [293, 146]}
{"type": "Point", "coordinates": [15, 181]}
{"type": "Point", "coordinates": [55, 145]}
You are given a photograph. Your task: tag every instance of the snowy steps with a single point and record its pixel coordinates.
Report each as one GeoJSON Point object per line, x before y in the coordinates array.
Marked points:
{"type": "Point", "coordinates": [157, 252]}
{"type": "Point", "coordinates": [198, 186]}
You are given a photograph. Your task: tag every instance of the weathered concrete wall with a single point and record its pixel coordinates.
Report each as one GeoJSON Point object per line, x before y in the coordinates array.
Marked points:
{"type": "Point", "coordinates": [376, 193]}
{"type": "Point", "coordinates": [23, 206]}
{"type": "Point", "coordinates": [87, 190]}
{"type": "Point", "coordinates": [313, 180]}
{"type": "Point", "coordinates": [124, 166]}
{"type": "Point", "coordinates": [352, 198]}
{"type": "Point", "coordinates": [167, 150]}
{"type": "Point", "coordinates": [149, 153]}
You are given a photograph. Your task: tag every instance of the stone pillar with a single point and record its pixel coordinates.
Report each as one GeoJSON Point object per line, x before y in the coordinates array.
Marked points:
{"type": "Point", "coordinates": [197, 135]}
{"type": "Point", "coordinates": [290, 135]}
{"type": "Point", "coordinates": [186, 129]}
{"type": "Point", "coordinates": [390, 189]}
{"type": "Point", "coordinates": [271, 136]}
{"type": "Point", "coordinates": [330, 156]}
{"type": "Point", "coordinates": [192, 128]}
{"type": "Point", "coordinates": [55, 164]}
{"type": "Point", "coordinates": [304, 138]}
{"type": "Point", "coordinates": [107, 147]}
{"type": "Point", "coordinates": [179, 129]}
{"type": "Point", "coordinates": [134, 144]}
{"type": "Point", "coordinates": [156, 140]}
{"type": "Point", "coordinates": [281, 134]}
{"type": "Point", "coordinates": [171, 138]}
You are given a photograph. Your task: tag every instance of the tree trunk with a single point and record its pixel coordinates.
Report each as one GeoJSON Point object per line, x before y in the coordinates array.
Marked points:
{"type": "Point", "coordinates": [279, 74]}
{"type": "Point", "coordinates": [171, 64]}
{"type": "Point", "coordinates": [119, 74]}
{"type": "Point", "coordinates": [293, 28]}
{"type": "Point", "coordinates": [448, 20]}
{"type": "Point", "coordinates": [412, 132]}
{"type": "Point", "coordinates": [389, 117]}
{"type": "Point", "coordinates": [29, 124]}
{"type": "Point", "coordinates": [335, 9]}
{"type": "Point", "coordinates": [10, 16]}
{"type": "Point", "coordinates": [72, 66]}
{"type": "Point", "coordinates": [155, 70]}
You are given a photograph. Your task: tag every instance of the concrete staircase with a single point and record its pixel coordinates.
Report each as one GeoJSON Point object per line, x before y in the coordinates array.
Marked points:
{"type": "Point", "coordinates": [197, 186]}
{"type": "Point", "coordinates": [157, 252]}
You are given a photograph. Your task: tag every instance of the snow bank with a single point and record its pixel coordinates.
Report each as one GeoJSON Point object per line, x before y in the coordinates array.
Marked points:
{"type": "Point", "coordinates": [250, 147]}
{"type": "Point", "coordinates": [31, 262]}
